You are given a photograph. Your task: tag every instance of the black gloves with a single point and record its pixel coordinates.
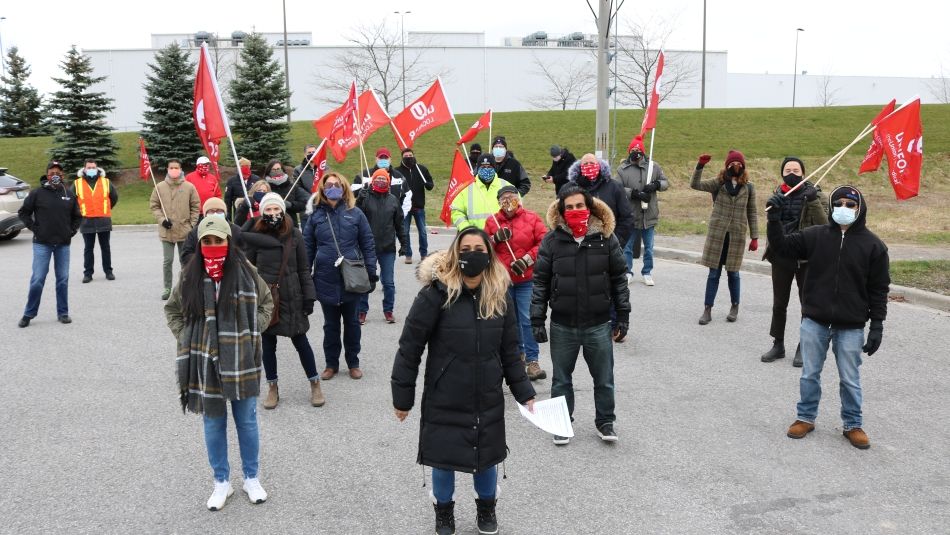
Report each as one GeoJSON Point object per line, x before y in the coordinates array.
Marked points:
{"type": "Point", "coordinates": [652, 186]}
{"type": "Point", "coordinates": [644, 196]}
{"type": "Point", "coordinates": [167, 224]}
{"type": "Point", "coordinates": [521, 265]}
{"type": "Point", "coordinates": [374, 278]}
{"type": "Point", "coordinates": [620, 331]}
{"type": "Point", "coordinates": [540, 334]}
{"type": "Point", "coordinates": [776, 201]}
{"type": "Point", "coordinates": [308, 307]}
{"type": "Point", "coordinates": [503, 235]}
{"type": "Point", "coordinates": [810, 192]}
{"type": "Point", "coordinates": [401, 251]}
{"type": "Point", "coordinates": [875, 334]}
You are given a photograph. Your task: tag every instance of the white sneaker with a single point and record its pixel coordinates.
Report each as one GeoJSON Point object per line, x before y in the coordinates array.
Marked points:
{"type": "Point", "coordinates": [255, 492]}
{"type": "Point", "coordinates": [222, 491]}
{"type": "Point", "coordinates": [629, 279]}
{"type": "Point", "coordinates": [648, 280]}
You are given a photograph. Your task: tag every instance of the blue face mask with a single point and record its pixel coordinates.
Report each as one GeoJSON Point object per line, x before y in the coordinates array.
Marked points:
{"type": "Point", "coordinates": [382, 163]}
{"type": "Point", "coordinates": [258, 195]}
{"type": "Point", "coordinates": [486, 174]}
{"type": "Point", "coordinates": [92, 173]}
{"type": "Point", "coordinates": [333, 193]}
{"type": "Point", "coordinates": [844, 215]}
{"type": "Point", "coordinates": [499, 152]}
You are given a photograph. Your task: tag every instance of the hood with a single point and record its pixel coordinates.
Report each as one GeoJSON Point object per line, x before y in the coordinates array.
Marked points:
{"type": "Point", "coordinates": [575, 170]}
{"type": "Point", "coordinates": [81, 173]}
{"type": "Point", "coordinates": [311, 203]}
{"type": "Point", "coordinates": [860, 222]}
{"type": "Point", "coordinates": [601, 219]}
{"type": "Point", "coordinates": [427, 271]}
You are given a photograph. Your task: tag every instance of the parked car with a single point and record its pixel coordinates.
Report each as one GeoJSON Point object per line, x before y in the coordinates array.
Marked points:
{"type": "Point", "coordinates": [12, 193]}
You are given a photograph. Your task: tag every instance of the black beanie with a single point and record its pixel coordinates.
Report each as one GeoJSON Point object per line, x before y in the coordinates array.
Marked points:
{"type": "Point", "coordinates": [791, 159]}
{"type": "Point", "coordinates": [476, 146]}
{"type": "Point", "coordinates": [555, 151]}
{"type": "Point", "coordinates": [499, 140]}
{"type": "Point", "coordinates": [507, 189]}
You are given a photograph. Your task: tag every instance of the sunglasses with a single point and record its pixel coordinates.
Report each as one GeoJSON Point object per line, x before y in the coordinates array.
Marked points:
{"type": "Point", "coordinates": [849, 204]}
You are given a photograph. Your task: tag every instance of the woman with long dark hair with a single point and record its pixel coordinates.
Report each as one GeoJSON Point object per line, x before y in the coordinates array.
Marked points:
{"type": "Point", "coordinates": [465, 318]}
{"type": "Point", "coordinates": [273, 245]}
{"type": "Point", "coordinates": [216, 312]}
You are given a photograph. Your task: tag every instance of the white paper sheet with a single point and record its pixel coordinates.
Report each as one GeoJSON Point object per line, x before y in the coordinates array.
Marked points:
{"type": "Point", "coordinates": [550, 415]}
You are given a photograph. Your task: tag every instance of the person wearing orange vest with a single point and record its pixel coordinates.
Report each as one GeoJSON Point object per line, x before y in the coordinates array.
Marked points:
{"type": "Point", "coordinates": [96, 197]}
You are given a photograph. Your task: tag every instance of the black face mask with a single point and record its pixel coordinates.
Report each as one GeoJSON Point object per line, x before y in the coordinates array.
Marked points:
{"type": "Point", "coordinates": [635, 156]}
{"type": "Point", "coordinates": [274, 220]}
{"type": "Point", "coordinates": [54, 181]}
{"type": "Point", "coordinates": [475, 154]}
{"type": "Point", "coordinates": [791, 180]}
{"type": "Point", "coordinates": [734, 172]}
{"type": "Point", "coordinates": [409, 161]}
{"type": "Point", "coordinates": [472, 263]}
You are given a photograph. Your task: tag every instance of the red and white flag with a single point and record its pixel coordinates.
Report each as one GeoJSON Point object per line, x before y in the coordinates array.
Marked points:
{"type": "Point", "coordinates": [372, 117]}
{"type": "Point", "coordinates": [320, 165]}
{"type": "Point", "coordinates": [482, 123]}
{"type": "Point", "coordinates": [145, 166]}
{"type": "Point", "coordinates": [461, 178]}
{"type": "Point", "coordinates": [872, 159]}
{"type": "Point", "coordinates": [211, 121]}
{"type": "Point", "coordinates": [427, 112]}
{"type": "Point", "coordinates": [345, 115]}
{"type": "Point", "coordinates": [649, 118]}
{"type": "Point", "coordinates": [902, 137]}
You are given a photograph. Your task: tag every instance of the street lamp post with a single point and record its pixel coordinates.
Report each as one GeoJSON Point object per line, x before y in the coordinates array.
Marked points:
{"type": "Point", "coordinates": [402, 39]}
{"type": "Point", "coordinates": [702, 91]}
{"type": "Point", "coordinates": [286, 62]}
{"type": "Point", "coordinates": [795, 70]}
{"type": "Point", "coordinates": [3, 59]}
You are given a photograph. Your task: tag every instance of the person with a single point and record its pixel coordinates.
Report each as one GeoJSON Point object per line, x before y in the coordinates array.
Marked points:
{"type": "Point", "coordinates": [243, 212]}
{"type": "Point", "coordinates": [593, 176]}
{"type": "Point", "coordinates": [581, 274]}
{"type": "Point", "coordinates": [335, 228]}
{"type": "Point", "coordinates": [733, 214]}
{"type": "Point", "coordinates": [418, 180]}
{"type": "Point", "coordinates": [384, 214]}
{"type": "Point", "coordinates": [176, 207]}
{"type": "Point", "coordinates": [806, 207]}
{"type": "Point", "coordinates": [276, 248]}
{"type": "Point", "coordinates": [97, 197]}
{"type": "Point", "coordinates": [516, 234]}
{"type": "Point", "coordinates": [463, 315]}
{"type": "Point", "coordinates": [847, 285]}
{"type": "Point", "coordinates": [52, 215]}
{"type": "Point", "coordinates": [307, 168]}
{"type": "Point", "coordinates": [561, 161]}
{"type": "Point", "coordinates": [295, 197]}
{"type": "Point", "coordinates": [474, 151]}
{"type": "Point", "coordinates": [476, 203]}
{"type": "Point", "coordinates": [207, 183]}
{"type": "Point", "coordinates": [213, 207]}
{"type": "Point", "coordinates": [233, 190]}
{"type": "Point", "coordinates": [641, 190]}
{"type": "Point", "coordinates": [216, 313]}
{"type": "Point", "coordinates": [507, 167]}
{"type": "Point", "coordinates": [396, 179]}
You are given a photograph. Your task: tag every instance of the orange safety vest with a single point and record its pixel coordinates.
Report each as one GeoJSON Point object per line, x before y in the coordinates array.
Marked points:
{"type": "Point", "coordinates": [94, 202]}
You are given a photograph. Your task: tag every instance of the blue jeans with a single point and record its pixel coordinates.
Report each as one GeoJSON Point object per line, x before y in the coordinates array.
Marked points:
{"type": "Point", "coordinates": [647, 235]}
{"type": "Point", "coordinates": [599, 355]}
{"type": "Point", "coordinates": [712, 285]}
{"type": "Point", "coordinates": [41, 257]}
{"type": "Point", "coordinates": [521, 295]}
{"type": "Point", "coordinates": [419, 215]}
{"type": "Point", "coordinates": [846, 345]}
{"type": "Point", "coordinates": [387, 271]}
{"type": "Point", "coordinates": [443, 484]}
{"type": "Point", "coordinates": [216, 440]}
{"type": "Point", "coordinates": [333, 315]}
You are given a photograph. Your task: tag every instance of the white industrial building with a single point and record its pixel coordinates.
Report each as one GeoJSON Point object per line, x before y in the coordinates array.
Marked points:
{"type": "Point", "coordinates": [477, 77]}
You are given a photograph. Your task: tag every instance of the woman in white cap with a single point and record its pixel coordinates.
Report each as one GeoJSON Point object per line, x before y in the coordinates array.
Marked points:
{"type": "Point", "coordinates": [218, 295]}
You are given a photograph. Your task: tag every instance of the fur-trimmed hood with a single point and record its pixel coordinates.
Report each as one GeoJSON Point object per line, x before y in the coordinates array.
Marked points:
{"type": "Point", "coordinates": [575, 170]}
{"type": "Point", "coordinates": [428, 269]}
{"type": "Point", "coordinates": [311, 203]}
{"type": "Point", "coordinates": [601, 219]}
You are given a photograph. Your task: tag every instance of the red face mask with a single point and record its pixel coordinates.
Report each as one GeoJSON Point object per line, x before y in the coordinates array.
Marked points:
{"type": "Point", "coordinates": [214, 256]}
{"type": "Point", "coordinates": [202, 169]}
{"type": "Point", "coordinates": [380, 186]}
{"type": "Point", "coordinates": [246, 171]}
{"type": "Point", "coordinates": [590, 170]}
{"type": "Point", "coordinates": [577, 221]}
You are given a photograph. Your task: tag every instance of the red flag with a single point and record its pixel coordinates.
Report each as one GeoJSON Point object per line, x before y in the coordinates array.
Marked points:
{"type": "Point", "coordinates": [480, 124]}
{"type": "Point", "coordinates": [145, 166]}
{"type": "Point", "coordinates": [461, 178]}
{"type": "Point", "coordinates": [872, 159]}
{"type": "Point", "coordinates": [903, 140]}
{"type": "Point", "coordinates": [210, 119]}
{"type": "Point", "coordinates": [649, 118]}
{"type": "Point", "coordinates": [345, 115]}
{"type": "Point", "coordinates": [372, 117]}
{"type": "Point", "coordinates": [427, 112]}
{"type": "Point", "coordinates": [320, 165]}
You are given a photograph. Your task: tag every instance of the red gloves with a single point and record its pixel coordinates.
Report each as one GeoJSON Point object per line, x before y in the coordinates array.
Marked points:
{"type": "Point", "coordinates": [703, 160]}
{"type": "Point", "coordinates": [754, 245]}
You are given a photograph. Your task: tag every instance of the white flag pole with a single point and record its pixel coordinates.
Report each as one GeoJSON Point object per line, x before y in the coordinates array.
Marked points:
{"type": "Point", "coordinates": [644, 205]}
{"type": "Point", "coordinates": [457, 130]}
{"type": "Point", "coordinates": [154, 183]}
{"type": "Point", "coordinates": [309, 161]}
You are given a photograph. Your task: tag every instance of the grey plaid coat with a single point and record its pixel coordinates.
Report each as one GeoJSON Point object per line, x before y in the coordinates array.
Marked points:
{"type": "Point", "coordinates": [730, 215]}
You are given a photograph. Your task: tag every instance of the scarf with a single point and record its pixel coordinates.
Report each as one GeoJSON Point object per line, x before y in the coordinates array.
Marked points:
{"type": "Point", "coordinates": [219, 359]}
{"type": "Point", "coordinates": [732, 189]}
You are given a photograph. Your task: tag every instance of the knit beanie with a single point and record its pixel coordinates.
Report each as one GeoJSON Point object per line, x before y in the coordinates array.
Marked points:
{"type": "Point", "coordinates": [735, 156]}
{"type": "Point", "coordinates": [272, 198]}
{"type": "Point", "coordinates": [213, 203]}
{"type": "Point", "coordinates": [791, 159]}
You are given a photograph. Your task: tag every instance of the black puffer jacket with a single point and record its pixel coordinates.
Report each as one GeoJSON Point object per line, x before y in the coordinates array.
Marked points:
{"type": "Point", "coordinates": [463, 407]}
{"type": "Point", "coordinates": [233, 191]}
{"type": "Point", "coordinates": [581, 282]}
{"type": "Point", "coordinates": [384, 214]}
{"type": "Point", "coordinates": [605, 188]}
{"type": "Point", "coordinates": [266, 251]}
{"type": "Point", "coordinates": [848, 273]}
{"type": "Point", "coordinates": [513, 172]}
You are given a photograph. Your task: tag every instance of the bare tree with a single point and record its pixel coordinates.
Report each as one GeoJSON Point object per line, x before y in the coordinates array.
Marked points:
{"type": "Point", "coordinates": [376, 63]}
{"type": "Point", "coordinates": [636, 62]}
{"type": "Point", "coordinates": [568, 85]}
{"type": "Point", "coordinates": [827, 94]}
{"type": "Point", "coordinates": [940, 87]}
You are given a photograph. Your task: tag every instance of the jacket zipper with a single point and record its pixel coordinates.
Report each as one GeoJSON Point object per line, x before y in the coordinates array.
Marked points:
{"type": "Point", "coordinates": [478, 402]}
{"type": "Point", "coordinates": [837, 274]}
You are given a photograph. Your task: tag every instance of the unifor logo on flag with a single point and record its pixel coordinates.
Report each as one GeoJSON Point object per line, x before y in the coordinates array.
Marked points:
{"type": "Point", "coordinates": [483, 122]}
{"type": "Point", "coordinates": [345, 115]}
{"type": "Point", "coordinates": [372, 117]}
{"type": "Point", "coordinates": [145, 166]}
{"type": "Point", "coordinates": [427, 112]}
{"type": "Point", "coordinates": [903, 138]}
{"type": "Point", "coordinates": [320, 165]}
{"type": "Point", "coordinates": [872, 159]}
{"type": "Point", "coordinates": [461, 178]}
{"type": "Point", "coordinates": [208, 112]}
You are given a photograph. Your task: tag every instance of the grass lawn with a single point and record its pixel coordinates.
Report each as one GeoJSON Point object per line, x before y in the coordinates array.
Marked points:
{"type": "Point", "coordinates": [932, 275]}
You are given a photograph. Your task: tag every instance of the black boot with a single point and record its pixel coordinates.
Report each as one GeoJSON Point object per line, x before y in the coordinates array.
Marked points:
{"type": "Point", "coordinates": [797, 361]}
{"type": "Point", "coordinates": [777, 352]}
{"type": "Point", "coordinates": [487, 523]}
{"type": "Point", "coordinates": [444, 518]}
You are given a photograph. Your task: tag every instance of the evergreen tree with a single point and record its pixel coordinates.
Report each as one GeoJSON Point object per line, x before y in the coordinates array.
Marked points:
{"type": "Point", "coordinates": [169, 129]}
{"type": "Point", "coordinates": [19, 101]}
{"type": "Point", "coordinates": [78, 116]}
{"type": "Point", "coordinates": [258, 108]}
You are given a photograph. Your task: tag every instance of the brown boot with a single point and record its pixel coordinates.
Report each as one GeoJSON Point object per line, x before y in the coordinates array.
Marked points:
{"type": "Point", "coordinates": [535, 372]}
{"type": "Point", "coordinates": [799, 429]}
{"type": "Point", "coordinates": [270, 402]}
{"type": "Point", "coordinates": [858, 438]}
{"type": "Point", "coordinates": [317, 399]}
{"type": "Point", "coordinates": [706, 317]}
{"type": "Point", "coordinates": [356, 373]}
{"type": "Point", "coordinates": [733, 312]}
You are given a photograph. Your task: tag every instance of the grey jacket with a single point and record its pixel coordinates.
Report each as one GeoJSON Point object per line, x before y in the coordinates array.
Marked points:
{"type": "Point", "coordinates": [633, 176]}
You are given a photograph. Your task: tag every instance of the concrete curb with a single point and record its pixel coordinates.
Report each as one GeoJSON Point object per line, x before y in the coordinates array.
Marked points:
{"type": "Point", "coordinates": [910, 295]}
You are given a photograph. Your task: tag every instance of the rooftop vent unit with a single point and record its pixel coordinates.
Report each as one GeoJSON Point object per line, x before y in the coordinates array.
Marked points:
{"type": "Point", "coordinates": [238, 37]}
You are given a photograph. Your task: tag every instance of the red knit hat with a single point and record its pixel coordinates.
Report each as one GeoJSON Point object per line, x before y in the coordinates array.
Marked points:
{"type": "Point", "coordinates": [735, 156]}
{"type": "Point", "coordinates": [636, 143]}
{"type": "Point", "coordinates": [382, 151]}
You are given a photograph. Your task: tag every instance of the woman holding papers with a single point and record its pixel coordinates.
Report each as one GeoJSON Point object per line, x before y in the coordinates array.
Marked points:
{"type": "Point", "coordinates": [464, 315]}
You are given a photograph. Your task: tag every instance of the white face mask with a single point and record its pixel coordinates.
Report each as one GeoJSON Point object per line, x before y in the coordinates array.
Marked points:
{"type": "Point", "coordinates": [217, 214]}
{"type": "Point", "coordinates": [844, 215]}
{"type": "Point", "coordinates": [499, 152]}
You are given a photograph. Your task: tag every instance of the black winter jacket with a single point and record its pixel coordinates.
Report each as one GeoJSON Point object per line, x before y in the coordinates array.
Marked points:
{"type": "Point", "coordinates": [385, 218]}
{"type": "Point", "coordinates": [463, 408]}
{"type": "Point", "coordinates": [418, 183]}
{"type": "Point", "coordinates": [605, 188]}
{"type": "Point", "coordinates": [266, 251]}
{"type": "Point", "coordinates": [190, 245]}
{"type": "Point", "coordinates": [513, 172]}
{"type": "Point", "coordinates": [296, 203]}
{"type": "Point", "coordinates": [233, 191]}
{"type": "Point", "coordinates": [397, 181]}
{"type": "Point", "coordinates": [848, 273]}
{"type": "Point", "coordinates": [52, 215]}
{"type": "Point", "coordinates": [581, 282]}
{"type": "Point", "coordinates": [558, 170]}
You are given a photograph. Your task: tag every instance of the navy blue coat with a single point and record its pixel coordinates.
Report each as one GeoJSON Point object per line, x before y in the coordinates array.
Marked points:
{"type": "Point", "coordinates": [355, 237]}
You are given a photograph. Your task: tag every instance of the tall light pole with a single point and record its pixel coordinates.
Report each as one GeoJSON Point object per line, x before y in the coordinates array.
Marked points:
{"type": "Point", "coordinates": [702, 90]}
{"type": "Point", "coordinates": [602, 117]}
{"type": "Point", "coordinates": [3, 65]}
{"type": "Point", "coordinates": [286, 62]}
{"type": "Point", "coordinates": [795, 72]}
{"type": "Point", "coordinates": [402, 34]}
